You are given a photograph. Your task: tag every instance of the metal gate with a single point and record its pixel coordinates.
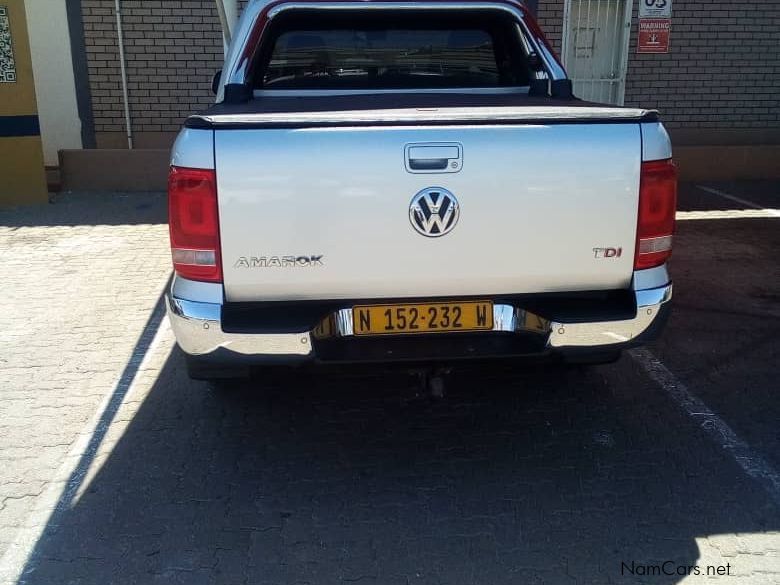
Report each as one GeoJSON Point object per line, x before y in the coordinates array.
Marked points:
{"type": "Point", "coordinates": [595, 47]}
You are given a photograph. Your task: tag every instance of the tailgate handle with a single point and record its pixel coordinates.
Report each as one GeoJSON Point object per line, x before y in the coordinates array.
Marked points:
{"type": "Point", "coordinates": [432, 158]}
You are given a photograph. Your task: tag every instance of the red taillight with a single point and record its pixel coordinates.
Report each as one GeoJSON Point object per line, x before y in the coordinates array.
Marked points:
{"type": "Point", "coordinates": [657, 210]}
{"type": "Point", "coordinates": [194, 223]}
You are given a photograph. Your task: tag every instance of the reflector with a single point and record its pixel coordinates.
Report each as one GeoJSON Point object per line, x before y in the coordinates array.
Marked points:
{"type": "Point", "coordinates": [198, 257]}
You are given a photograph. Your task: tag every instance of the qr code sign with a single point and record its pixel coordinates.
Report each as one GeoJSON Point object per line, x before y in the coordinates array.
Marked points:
{"type": "Point", "coordinates": [7, 64]}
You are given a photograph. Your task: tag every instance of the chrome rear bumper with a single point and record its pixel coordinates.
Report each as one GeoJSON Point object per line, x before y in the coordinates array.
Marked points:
{"type": "Point", "coordinates": [198, 327]}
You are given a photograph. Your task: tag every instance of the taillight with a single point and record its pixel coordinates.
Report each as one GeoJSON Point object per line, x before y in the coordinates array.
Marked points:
{"type": "Point", "coordinates": [194, 223]}
{"type": "Point", "coordinates": [657, 210]}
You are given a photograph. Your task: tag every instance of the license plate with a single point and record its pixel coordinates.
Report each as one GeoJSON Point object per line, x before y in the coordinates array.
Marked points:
{"type": "Point", "coordinates": [422, 318]}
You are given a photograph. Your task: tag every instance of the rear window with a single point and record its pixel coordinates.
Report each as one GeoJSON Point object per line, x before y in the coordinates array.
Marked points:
{"type": "Point", "coordinates": [409, 51]}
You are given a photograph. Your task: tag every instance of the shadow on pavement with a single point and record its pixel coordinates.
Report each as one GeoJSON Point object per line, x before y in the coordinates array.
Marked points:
{"type": "Point", "coordinates": [723, 339]}
{"type": "Point", "coordinates": [761, 193]}
{"type": "Point", "coordinates": [546, 476]}
{"type": "Point", "coordinates": [75, 209]}
{"type": "Point", "coordinates": [112, 405]}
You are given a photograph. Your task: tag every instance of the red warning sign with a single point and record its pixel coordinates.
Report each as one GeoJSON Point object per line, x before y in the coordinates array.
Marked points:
{"type": "Point", "coordinates": [654, 35]}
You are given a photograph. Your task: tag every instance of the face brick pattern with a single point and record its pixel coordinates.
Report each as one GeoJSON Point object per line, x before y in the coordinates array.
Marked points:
{"type": "Point", "coordinates": [715, 46]}
{"type": "Point", "coordinates": [174, 49]}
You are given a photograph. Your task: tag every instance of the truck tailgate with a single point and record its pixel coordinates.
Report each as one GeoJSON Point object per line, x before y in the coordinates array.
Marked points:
{"type": "Point", "coordinates": [324, 212]}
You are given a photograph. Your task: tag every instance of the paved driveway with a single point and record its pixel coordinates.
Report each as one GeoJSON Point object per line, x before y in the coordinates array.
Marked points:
{"type": "Point", "coordinates": [117, 469]}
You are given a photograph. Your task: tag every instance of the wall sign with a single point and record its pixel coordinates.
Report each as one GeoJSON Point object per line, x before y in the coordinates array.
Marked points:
{"type": "Point", "coordinates": [655, 25]}
{"type": "Point", "coordinates": [655, 8]}
{"type": "Point", "coordinates": [653, 35]}
{"type": "Point", "coordinates": [7, 63]}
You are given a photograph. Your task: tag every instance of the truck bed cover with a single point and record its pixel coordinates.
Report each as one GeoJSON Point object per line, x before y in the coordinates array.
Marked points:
{"type": "Point", "coordinates": [411, 108]}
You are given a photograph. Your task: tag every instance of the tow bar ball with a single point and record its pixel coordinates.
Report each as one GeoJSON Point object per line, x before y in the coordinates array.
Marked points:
{"type": "Point", "coordinates": [432, 382]}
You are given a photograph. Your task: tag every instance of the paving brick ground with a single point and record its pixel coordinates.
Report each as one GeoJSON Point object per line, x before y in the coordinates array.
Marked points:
{"type": "Point", "coordinates": [346, 475]}
{"type": "Point", "coordinates": [79, 280]}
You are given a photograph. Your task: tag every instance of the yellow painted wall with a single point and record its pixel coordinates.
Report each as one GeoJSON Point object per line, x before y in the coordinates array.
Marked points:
{"type": "Point", "coordinates": [22, 176]}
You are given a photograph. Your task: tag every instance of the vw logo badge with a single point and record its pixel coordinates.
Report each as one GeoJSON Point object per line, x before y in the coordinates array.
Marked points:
{"type": "Point", "coordinates": [434, 212]}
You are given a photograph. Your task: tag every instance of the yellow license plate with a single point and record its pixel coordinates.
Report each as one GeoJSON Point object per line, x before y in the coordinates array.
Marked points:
{"type": "Point", "coordinates": [422, 318]}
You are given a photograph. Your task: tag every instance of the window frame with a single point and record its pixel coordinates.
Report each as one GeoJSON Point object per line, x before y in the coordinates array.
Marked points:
{"type": "Point", "coordinates": [496, 17]}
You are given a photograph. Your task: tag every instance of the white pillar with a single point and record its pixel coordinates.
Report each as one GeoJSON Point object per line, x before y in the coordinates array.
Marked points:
{"type": "Point", "coordinates": [228, 17]}
{"type": "Point", "coordinates": [55, 85]}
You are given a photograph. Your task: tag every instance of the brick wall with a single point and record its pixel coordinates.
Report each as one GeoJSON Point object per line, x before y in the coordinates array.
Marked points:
{"type": "Point", "coordinates": [550, 18]}
{"type": "Point", "coordinates": [173, 49]}
{"type": "Point", "coordinates": [723, 72]}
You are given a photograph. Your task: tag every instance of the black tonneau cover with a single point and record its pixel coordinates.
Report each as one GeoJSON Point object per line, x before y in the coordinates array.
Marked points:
{"type": "Point", "coordinates": [416, 108]}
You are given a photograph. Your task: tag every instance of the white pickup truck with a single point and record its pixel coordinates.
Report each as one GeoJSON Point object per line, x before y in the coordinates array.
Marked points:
{"type": "Point", "coordinates": [391, 180]}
